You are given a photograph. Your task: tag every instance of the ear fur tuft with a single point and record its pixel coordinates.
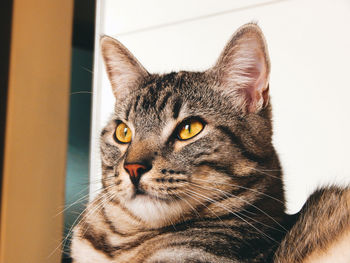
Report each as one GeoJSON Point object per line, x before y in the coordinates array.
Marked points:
{"type": "Point", "coordinates": [122, 67]}
{"type": "Point", "coordinates": [243, 69]}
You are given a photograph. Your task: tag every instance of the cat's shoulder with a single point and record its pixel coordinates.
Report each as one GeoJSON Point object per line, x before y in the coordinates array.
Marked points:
{"type": "Point", "coordinates": [321, 232]}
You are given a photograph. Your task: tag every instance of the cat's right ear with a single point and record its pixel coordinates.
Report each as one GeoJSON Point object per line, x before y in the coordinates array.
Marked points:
{"type": "Point", "coordinates": [243, 69]}
{"type": "Point", "coordinates": [122, 67]}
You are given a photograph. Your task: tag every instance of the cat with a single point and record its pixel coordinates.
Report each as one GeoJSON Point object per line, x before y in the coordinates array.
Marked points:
{"type": "Point", "coordinates": [189, 171]}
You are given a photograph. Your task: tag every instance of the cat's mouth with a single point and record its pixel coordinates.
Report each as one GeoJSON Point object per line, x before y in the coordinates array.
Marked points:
{"type": "Point", "coordinates": [139, 191]}
{"type": "Point", "coordinates": [142, 193]}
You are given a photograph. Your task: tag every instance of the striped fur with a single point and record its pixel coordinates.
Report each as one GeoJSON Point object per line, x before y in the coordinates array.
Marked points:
{"type": "Point", "coordinates": [321, 233]}
{"type": "Point", "coordinates": [217, 197]}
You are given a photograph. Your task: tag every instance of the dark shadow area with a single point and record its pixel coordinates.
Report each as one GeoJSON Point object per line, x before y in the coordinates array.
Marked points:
{"type": "Point", "coordinates": [77, 177]}
{"type": "Point", "coordinates": [5, 44]}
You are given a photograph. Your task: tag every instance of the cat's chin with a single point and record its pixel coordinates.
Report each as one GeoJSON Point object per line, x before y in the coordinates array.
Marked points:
{"type": "Point", "coordinates": [155, 211]}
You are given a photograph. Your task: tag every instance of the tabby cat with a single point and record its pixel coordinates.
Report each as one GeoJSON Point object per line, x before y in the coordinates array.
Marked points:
{"type": "Point", "coordinates": [190, 173]}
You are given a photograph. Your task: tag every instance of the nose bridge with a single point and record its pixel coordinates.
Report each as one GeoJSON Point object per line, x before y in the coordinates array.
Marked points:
{"type": "Point", "coordinates": [139, 160]}
{"type": "Point", "coordinates": [141, 151]}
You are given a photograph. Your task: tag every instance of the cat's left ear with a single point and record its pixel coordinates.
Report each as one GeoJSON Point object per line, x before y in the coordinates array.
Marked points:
{"type": "Point", "coordinates": [122, 67]}
{"type": "Point", "coordinates": [243, 69]}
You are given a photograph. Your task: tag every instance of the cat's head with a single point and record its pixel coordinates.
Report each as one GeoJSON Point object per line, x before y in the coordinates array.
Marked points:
{"type": "Point", "coordinates": [179, 142]}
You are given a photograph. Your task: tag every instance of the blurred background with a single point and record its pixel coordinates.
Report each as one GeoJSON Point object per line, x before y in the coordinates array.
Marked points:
{"type": "Point", "coordinates": [308, 42]}
{"type": "Point", "coordinates": [77, 177]}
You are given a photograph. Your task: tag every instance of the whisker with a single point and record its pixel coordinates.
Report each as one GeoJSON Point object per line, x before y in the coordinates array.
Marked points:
{"type": "Point", "coordinates": [247, 202]}
{"type": "Point", "coordinates": [102, 179]}
{"type": "Point", "coordinates": [242, 187]}
{"type": "Point", "coordinates": [191, 206]}
{"type": "Point", "coordinates": [234, 213]}
{"type": "Point", "coordinates": [81, 199]}
{"type": "Point", "coordinates": [81, 92]}
{"type": "Point", "coordinates": [86, 69]}
{"type": "Point", "coordinates": [106, 198]}
{"type": "Point", "coordinates": [271, 170]}
{"type": "Point", "coordinates": [87, 184]}
{"type": "Point", "coordinates": [173, 200]}
{"type": "Point", "coordinates": [263, 172]}
{"type": "Point", "coordinates": [191, 196]}
{"type": "Point", "coordinates": [62, 244]}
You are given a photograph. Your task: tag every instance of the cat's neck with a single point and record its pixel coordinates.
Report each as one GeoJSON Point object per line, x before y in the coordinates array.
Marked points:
{"type": "Point", "coordinates": [123, 219]}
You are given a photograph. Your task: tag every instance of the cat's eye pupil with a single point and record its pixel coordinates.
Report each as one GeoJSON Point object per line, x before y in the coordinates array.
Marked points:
{"type": "Point", "coordinates": [125, 131]}
{"type": "Point", "coordinates": [188, 128]}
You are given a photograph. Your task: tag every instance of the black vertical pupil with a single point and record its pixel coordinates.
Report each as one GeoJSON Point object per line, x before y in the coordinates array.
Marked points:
{"type": "Point", "coordinates": [125, 131]}
{"type": "Point", "coordinates": [188, 127]}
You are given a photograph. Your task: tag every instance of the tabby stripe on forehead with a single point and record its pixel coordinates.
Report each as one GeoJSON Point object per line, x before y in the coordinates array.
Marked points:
{"type": "Point", "coordinates": [151, 90]}
{"type": "Point", "coordinates": [244, 151]}
{"type": "Point", "coordinates": [179, 82]}
{"type": "Point", "coordinates": [136, 102]}
{"type": "Point", "coordinates": [146, 103]}
{"type": "Point", "coordinates": [159, 85]}
{"type": "Point", "coordinates": [164, 101]}
{"type": "Point", "coordinates": [127, 112]}
{"type": "Point", "coordinates": [177, 107]}
{"type": "Point", "coordinates": [152, 96]}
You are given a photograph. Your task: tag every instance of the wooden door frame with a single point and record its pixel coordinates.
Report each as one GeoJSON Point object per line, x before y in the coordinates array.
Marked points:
{"type": "Point", "coordinates": [5, 42]}
{"type": "Point", "coordinates": [34, 162]}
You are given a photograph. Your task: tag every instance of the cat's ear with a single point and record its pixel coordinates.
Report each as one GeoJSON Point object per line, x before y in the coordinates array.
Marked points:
{"type": "Point", "coordinates": [122, 67]}
{"type": "Point", "coordinates": [243, 69]}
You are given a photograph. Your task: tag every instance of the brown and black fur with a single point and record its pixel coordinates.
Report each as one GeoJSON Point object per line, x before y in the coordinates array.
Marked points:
{"type": "Point", "coordinates": [215, 198]}
{"type": "Point", "coordinates": [322, 224]}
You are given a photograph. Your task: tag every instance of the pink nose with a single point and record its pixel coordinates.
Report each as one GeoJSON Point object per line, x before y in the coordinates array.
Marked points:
{"type": "Point", "coordinates": [135, 171]}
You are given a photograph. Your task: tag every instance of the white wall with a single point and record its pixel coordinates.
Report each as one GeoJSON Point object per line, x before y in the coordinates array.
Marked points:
{"type": "Point", "coordinates": [309, 44]}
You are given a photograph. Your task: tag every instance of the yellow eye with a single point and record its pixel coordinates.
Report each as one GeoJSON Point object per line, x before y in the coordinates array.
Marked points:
{"type": "Point", "coordinates": [123, 133]}
{"type": "Point", "coordinates": [190, 129]}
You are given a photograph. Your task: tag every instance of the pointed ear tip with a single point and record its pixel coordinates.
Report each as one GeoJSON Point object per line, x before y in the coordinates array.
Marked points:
{"type": "Point", "coordinates": [107, 40]}
{"type": "Point", "coordinates": [250, 28]}
{"type": "Point", "coordinates": [104, 38]}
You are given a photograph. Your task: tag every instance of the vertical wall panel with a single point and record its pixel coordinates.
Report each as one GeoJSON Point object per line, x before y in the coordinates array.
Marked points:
{"type": "Point", "coordinates": [36, 131]}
